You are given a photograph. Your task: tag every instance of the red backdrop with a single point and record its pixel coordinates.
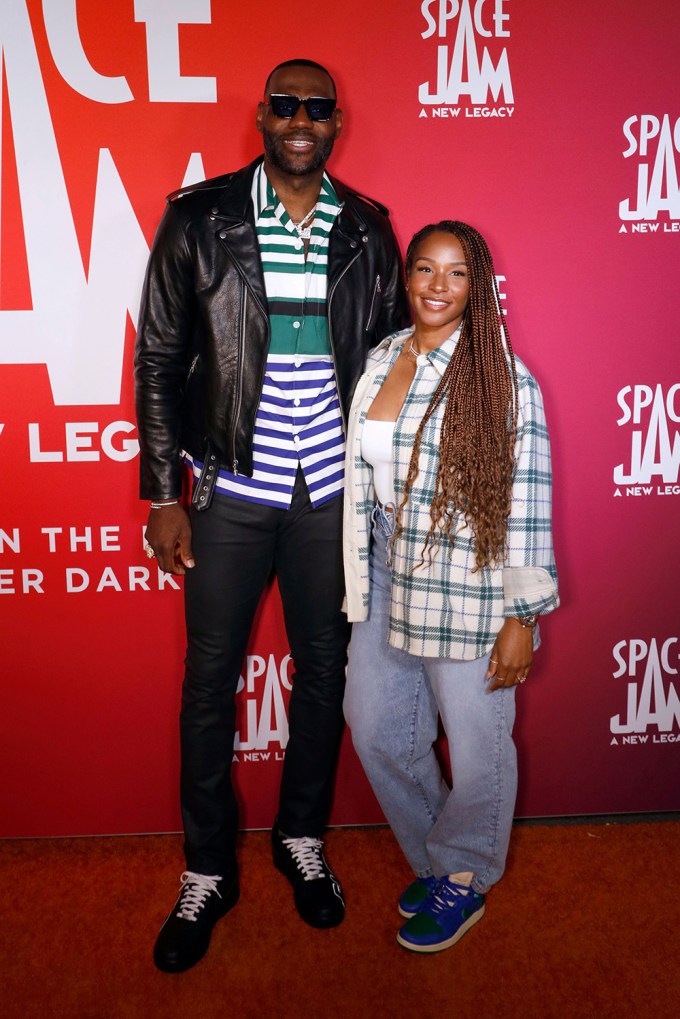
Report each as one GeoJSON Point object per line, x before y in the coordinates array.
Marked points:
{"type": "Point", "coordinates": [555, 130]}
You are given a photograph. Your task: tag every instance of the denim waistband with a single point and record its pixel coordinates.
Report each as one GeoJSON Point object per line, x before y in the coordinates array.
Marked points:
{"type": "Point", "coordinates": [384, 519]}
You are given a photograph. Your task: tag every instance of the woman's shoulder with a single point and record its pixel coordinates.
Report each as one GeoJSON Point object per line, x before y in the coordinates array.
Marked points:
{"type": "Point", "coordinates": [529, 395]}
{"type": "Point", "coordinates": [388, 345]}
{"type": "Point", "coordinates": [525, 379]}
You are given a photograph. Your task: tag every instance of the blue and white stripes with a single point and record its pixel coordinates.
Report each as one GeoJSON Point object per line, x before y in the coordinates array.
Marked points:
{"type": "Point", "coordinates": [298, 423]}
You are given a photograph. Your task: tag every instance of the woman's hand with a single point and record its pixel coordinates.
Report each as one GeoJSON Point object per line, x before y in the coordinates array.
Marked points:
{"type": "Point", "coordinates": [512, 655]}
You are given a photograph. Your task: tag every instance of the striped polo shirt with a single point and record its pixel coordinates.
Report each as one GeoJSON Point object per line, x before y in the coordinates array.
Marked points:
{"type": "Point", "coordinates": [299, 420]}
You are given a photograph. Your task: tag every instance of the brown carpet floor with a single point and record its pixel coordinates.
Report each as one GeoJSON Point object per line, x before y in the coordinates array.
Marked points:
{"type": "Point", "coordinates": [586, 922]}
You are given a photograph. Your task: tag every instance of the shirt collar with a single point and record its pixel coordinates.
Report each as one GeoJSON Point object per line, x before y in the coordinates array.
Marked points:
{"type": "Point", "coordinates": [265, 198]}
{"type": "Point", "coordinates": [438, 358]}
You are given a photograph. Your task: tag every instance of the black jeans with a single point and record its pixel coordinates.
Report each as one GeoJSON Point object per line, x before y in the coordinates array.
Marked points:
{"type": "Point", "coordinates": [236, 546]}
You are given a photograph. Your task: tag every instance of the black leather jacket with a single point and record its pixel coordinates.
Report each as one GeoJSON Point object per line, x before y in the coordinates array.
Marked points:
{"type": "Point", "coordinates": [203, 333]}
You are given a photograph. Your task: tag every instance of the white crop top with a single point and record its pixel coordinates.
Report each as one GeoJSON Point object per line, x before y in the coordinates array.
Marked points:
{"type": "Point", "coordinates": [376, 449]}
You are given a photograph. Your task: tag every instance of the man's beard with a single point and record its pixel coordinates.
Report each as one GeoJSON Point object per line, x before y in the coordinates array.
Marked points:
{"type": "Point", "coordinates": [278, 157]}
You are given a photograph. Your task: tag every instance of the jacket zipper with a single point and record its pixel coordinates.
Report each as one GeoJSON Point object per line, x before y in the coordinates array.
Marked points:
{"type": "Point", "coordinates": [330, 331]}
{"type": "Point", "coordinates": [192, 367]}
{"type": "Point", "coordinates": [239, 398]}
{"type": "Point", "coordinates": [376, 291]}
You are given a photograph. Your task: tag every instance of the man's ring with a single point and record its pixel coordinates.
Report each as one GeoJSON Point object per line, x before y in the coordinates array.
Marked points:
{"type": "Point", "coordinates": [493, 661]}
{"type": "Point", "coordinates": [150, 554]}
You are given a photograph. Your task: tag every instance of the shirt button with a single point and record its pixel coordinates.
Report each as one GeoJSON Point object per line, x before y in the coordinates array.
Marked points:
{"type": "Point", "coordinates": [296, 325]}
{"type": "Point", "coordinates": [296, 439]}
{"type": "Point", "coordinates": [296, 401]}
{"type": "Point", "coordinates": [297, 362]}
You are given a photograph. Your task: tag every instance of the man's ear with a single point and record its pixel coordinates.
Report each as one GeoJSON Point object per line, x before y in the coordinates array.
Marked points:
{"type": "Point", "coordinates": [338, 122]}
{"type": "Point", "coordinates": [260, 115]}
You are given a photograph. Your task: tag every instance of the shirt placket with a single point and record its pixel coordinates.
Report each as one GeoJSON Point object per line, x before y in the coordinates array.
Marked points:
{"type": "Point", "coordinates": [298, 324]}
{"type": "Point", "coordinates": [310, 264]}
{"type": "Point", "coordinates": [296, 405]}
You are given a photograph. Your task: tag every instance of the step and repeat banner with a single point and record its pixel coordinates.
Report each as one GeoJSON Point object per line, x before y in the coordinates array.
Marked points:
{"type": "Point", "coordinates": [554, 129]}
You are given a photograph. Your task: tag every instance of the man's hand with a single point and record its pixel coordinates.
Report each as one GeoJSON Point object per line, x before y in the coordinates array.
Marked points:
{"type": "Point", "coordinates": [168, 531]}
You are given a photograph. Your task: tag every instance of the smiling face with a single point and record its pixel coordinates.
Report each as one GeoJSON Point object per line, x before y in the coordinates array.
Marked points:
{"type": "Point", "coordinates": [299, 146]}
{"type": "Point", "coordinates": [438, 287]}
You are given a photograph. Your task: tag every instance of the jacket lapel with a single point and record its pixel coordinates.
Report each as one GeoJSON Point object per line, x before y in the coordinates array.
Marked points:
{"type": "Point", "coordinates": [345, 241]}
{"type": "Point", "coordinates": [234, 223]}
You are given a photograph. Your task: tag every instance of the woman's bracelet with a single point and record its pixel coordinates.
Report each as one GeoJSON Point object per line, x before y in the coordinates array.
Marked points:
{"type": "Point", "coordinates": [162, 505]}
{"type": "Point", "coordinates": [527, 622]}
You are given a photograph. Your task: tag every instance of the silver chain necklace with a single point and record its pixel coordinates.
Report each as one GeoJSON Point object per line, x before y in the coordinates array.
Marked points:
{"type": "Point", "coordinates": [304, 227]}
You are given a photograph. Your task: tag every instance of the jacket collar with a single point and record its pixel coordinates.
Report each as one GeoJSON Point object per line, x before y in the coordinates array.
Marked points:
{"type": "Point", "coordinates": [234, 216]}
{"type": "Point", "coordinates": [349, 219]}
{"type": "Point", "coordinates": [234, 202]}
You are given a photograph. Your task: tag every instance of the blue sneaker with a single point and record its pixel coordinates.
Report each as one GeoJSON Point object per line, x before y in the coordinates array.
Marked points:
{"type": "Point", "coordinates": [449, 912]}
{"type": "Point", "coordinates": [416, 894]}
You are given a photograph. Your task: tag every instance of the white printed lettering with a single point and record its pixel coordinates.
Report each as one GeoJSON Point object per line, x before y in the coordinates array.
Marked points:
{"type": "Point", "coordinates": [61, 25]}
{"type": "Point", "coordinates": [462, 73]}
{"type": "Point", "coordinates": [166, 83]}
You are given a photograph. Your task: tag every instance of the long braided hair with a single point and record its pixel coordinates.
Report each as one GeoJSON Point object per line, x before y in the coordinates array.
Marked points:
{"type": "Point", "coordinates": [479, 387]}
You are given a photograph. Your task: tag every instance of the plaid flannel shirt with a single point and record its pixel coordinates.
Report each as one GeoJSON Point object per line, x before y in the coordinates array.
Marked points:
{"type": "Point", "coordinates": [440, 608]}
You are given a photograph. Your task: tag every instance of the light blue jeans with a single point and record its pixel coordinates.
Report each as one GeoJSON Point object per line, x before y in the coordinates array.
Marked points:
{"type": "Point", "coordinates": [392, 704]}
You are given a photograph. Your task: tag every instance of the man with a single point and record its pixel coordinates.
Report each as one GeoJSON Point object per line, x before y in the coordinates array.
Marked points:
{"type": "Point", "coordinates": [265, 289]}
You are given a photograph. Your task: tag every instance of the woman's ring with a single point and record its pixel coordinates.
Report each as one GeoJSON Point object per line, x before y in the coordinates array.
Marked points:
{"type": "Point", "coordinates": [522, 679]}
{"type": "Point", "coordinates": [150, 554]}
{"type": "Point", "coordinates": [493, 661]}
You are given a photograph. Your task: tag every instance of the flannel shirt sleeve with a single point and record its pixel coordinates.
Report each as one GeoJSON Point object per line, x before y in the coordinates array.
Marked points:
{"type": "Point", "coordinates": [529, 574]}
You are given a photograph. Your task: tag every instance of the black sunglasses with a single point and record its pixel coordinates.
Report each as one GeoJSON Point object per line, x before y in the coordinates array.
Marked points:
{"type": "Point", "coordinates": [286, 107]}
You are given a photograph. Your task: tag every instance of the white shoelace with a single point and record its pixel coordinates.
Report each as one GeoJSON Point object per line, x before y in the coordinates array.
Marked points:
{"type": "Point", "coordinates": [446, 894]}
{"type": "Point", "coordinates": [195, 891]}
{"type": "Point", "coordinates": [307, 853]}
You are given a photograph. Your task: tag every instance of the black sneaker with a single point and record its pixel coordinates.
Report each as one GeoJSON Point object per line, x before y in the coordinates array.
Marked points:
{"type": "Point", "coordinates": [184, 937]}
{"type": "Point", "coordinates": [318, 895]}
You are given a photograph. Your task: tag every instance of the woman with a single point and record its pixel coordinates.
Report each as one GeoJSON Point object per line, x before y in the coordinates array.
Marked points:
{"type": "Point", "coordinates": [448, 563]}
